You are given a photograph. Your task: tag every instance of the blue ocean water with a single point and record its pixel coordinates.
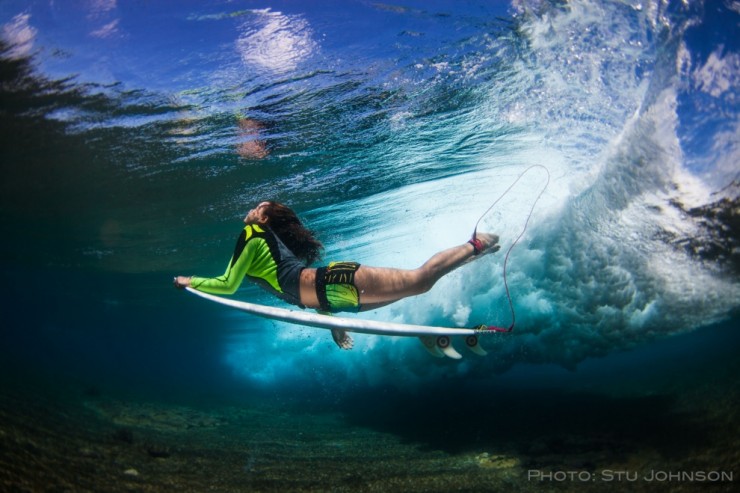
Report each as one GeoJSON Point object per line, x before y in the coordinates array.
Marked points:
{"type": "Point", "coordinates": [135, 136]}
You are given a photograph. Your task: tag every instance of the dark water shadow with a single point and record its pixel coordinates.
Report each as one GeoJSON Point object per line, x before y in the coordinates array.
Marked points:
{"type": "Point", "coordinates": [543, 425]}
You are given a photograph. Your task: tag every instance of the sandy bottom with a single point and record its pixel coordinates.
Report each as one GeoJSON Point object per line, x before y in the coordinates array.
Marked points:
{"type": "Point", "coordinates": [68, 438]}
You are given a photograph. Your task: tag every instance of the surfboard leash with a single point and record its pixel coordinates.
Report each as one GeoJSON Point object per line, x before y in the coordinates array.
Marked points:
{"type": "Point", "coordinates": [495, 328]}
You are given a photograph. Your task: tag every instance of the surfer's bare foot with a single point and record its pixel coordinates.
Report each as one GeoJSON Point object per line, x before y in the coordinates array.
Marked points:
{"type": "Point", "coordinates": [484, 243]}
{"type": "Point", "coordinates": [490, 242]}
{"type": "Point", "coordinates": [343, 340]}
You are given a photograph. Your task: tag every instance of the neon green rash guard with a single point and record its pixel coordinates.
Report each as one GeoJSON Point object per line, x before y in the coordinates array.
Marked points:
{"type": "Point", "coordinates": [263, 259]}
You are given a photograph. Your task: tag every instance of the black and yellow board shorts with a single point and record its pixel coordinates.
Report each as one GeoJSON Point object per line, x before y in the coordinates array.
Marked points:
{"type": "Point", "coordinates": [335, 287]}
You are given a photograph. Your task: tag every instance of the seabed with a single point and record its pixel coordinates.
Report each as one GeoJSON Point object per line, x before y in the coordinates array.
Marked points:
{"type": "Point", "coordinates": [70, 438]}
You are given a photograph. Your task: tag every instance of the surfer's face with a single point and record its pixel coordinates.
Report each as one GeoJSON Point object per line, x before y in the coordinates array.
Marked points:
{"type": "Point", "coordinates": [257, 215]}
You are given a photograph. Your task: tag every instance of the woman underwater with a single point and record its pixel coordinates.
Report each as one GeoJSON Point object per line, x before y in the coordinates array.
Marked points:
{"type": "Point", "coordinates": [275, 249]}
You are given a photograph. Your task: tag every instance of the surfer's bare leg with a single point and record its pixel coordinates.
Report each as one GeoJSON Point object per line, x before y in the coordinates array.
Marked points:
{"type": "Point", "coordinates": [343, 340]}
{"type": "Point", "coordinates": [379, 286]}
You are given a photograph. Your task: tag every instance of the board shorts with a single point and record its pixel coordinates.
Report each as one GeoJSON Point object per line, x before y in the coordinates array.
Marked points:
{"type": "Point", "coordinates": [335, 287]}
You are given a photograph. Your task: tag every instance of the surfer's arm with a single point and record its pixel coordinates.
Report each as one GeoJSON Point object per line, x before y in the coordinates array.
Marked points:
{"type": "Point", "coordinates": [232, 278]}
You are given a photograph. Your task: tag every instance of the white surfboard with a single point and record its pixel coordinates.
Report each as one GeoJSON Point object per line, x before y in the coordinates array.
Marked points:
{"type": "Point", "coordinates": [435, 339]}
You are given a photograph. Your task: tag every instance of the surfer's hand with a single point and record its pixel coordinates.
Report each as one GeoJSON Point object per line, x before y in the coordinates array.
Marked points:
{"type": "Point", "coordinates": [181, 282]}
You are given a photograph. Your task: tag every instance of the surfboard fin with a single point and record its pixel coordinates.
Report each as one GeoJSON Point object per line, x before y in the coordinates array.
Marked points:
{"type": "Point", "coordinates": [474, 345]}
{"type": "Point", "coordinates": [444, 344]}
{"type": "Point", "coordinates": [430, 344]}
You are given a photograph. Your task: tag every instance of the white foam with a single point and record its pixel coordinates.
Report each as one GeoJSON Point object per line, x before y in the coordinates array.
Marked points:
{"type": "Point", "coordinates": [594, 273]}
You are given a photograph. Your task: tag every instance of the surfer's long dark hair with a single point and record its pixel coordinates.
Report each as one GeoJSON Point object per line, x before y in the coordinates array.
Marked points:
{"type": "Point", "coordinates": [291, 231]}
